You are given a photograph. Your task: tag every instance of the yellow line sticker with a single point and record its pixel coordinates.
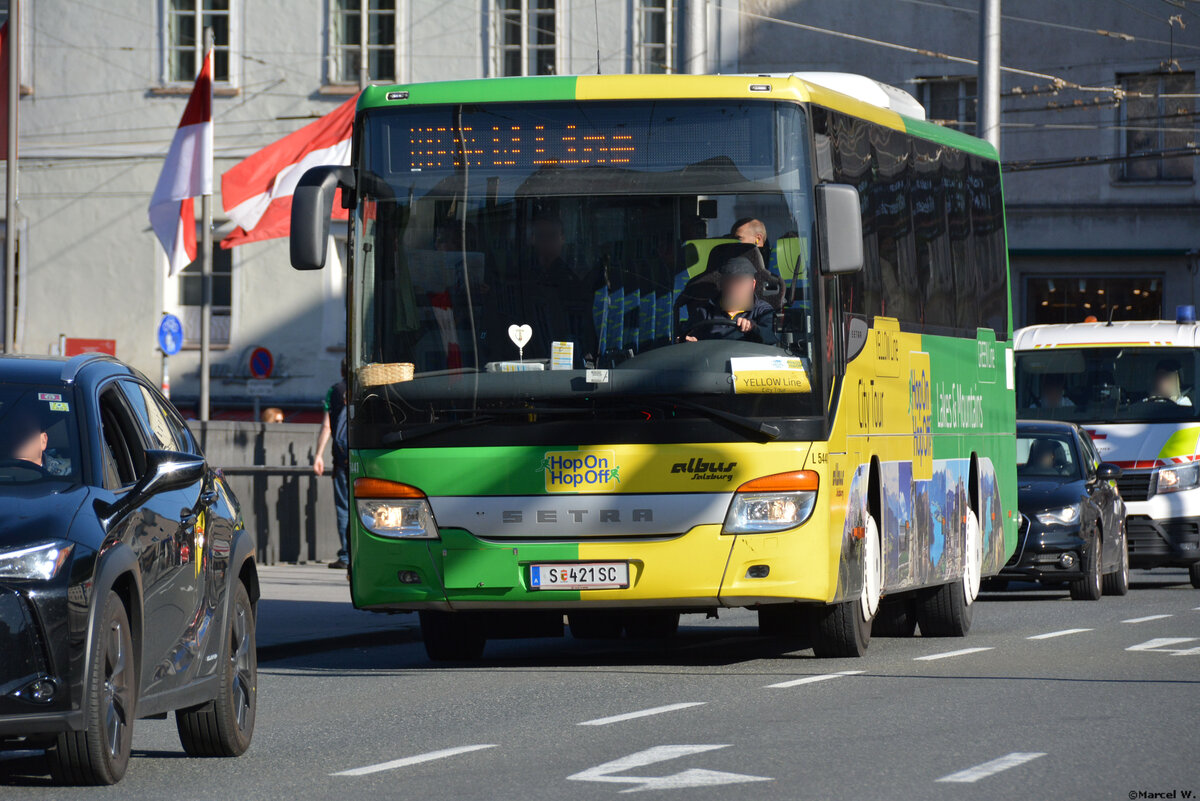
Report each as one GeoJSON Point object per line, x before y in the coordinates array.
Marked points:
{"type": "Point", "coordinates": [768, 375]}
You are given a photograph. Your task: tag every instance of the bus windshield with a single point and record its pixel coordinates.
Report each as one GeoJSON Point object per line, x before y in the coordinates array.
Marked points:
{"type": "Point", "coordinates": [578, 255]}
{"type": "Point", "coordinates": [1119, 384]}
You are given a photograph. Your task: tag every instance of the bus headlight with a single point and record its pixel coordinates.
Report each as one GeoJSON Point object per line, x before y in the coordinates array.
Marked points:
{"type": "Point", "coordinates": [772, 503]}
{"type": "Point", "coordinates": [1176, 479]}
{"type": "Point", "coordinates": [392, 509]}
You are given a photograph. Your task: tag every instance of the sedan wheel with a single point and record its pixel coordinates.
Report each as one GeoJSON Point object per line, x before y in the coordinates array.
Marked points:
{"type": "Point", "coordinates": [225, 725]}
{"type": "Point", "coordinates": [1117, 582]}
{"type": "Point", "coordinates": [100, 753]}
{"type": "Point", "coordinates": [1089, 588]}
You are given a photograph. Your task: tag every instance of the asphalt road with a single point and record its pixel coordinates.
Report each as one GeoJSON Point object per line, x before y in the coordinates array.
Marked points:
{"type": "Point", "coordinates": [1046, 699]}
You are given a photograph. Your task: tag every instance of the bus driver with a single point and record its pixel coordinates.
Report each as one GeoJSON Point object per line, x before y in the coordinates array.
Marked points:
{"type": "Point", "coordinates": [749, 315]}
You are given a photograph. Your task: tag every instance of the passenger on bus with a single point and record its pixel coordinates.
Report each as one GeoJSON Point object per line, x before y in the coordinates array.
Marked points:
{"type": "Point", "coordinates": [752, 231]}
{"type": "Point", "coordinates": [1166, 383]}
{"type": "Point", "coordinates": [750, 316]}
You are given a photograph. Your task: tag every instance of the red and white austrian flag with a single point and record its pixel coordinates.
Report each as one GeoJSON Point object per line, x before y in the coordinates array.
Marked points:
{"type": "Point", "coordinates": [187, 173]}
{"type": "Point", "coordinates": [257, 193]}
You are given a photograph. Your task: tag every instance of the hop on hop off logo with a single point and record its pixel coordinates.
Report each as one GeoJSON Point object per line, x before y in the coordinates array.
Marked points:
{"type": "Point", "coordinates": [580, 471]}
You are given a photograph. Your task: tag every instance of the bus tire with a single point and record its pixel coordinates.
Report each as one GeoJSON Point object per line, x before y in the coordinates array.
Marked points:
{"type": "Point", "coordinates": [972, 556]}
{"type": "Point", "coordinates": [838, 630]}
{"type": "Point", "coordinates": [1117, 582]}
{"type": "Point", "coordinates": [897, 617]}
{"type": "Point", "coordinates": [651, 624]}
{"type": "Point", "coordinates": [451, 637]}
{"type": "Point", "coordinates": [594, 625]}
{"type": "Point", "coordinates": [1194, 574]}
{"type": "Point", "coordinates": [844, 629]}
{"type": "Point", "coordinates": [945, 611]}
{"type": "Point", "coordinates": [1091, 586]}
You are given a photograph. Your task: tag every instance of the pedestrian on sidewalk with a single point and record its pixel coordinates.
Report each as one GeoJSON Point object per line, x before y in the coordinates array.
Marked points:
{"type": "Point", "coordinates": [334, 426]}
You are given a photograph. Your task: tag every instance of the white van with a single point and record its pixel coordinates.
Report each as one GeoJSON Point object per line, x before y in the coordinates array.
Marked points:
{"type": "Point", "coordinates": [1133, 386]}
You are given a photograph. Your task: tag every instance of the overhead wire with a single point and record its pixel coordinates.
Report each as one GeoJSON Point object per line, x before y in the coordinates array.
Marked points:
{"type": "Point", "coordinates": [1127, 37]}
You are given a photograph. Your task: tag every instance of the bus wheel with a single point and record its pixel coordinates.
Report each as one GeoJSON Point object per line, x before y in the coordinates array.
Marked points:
{"type": "Point", "coordinates": [897, 617]}
{"type": "Point", "coordinates": [593, 625]}
{"type": "Point", "coordinates": [972, 556]}
{"type": "Point", "coordinates": [451, 637]}
{"type": "Point", "coordinates": [651, 625]}
{"type": "Point", "coordinates": [1194, 574]}
{"type": "Point", "coordinates": [845, 629]}
{"type": "Point", "coordinates": [945, 611]}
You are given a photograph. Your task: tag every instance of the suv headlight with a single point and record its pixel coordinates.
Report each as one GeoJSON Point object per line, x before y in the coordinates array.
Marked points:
{"type": "Point", "coordinates": [36, 562]}
{"type": "Point", "coordinates": [772, 503]}
{"type": "Point", "coordinates": [1175, 479]}
{"type": "Point", "coordinates": [1059, 517]}
{"type": "Point", "coordinates": [392, 509]}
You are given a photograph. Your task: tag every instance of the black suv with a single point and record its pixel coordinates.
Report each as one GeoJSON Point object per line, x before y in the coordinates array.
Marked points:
{"type": "Point", "coordinates": [127, 581]}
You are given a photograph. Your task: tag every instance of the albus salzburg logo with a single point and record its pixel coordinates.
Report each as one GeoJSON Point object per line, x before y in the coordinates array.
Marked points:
{"type": "Point", "coordinates": [580, 471]}
{"type": "Point", "coordinates": [702, 470]}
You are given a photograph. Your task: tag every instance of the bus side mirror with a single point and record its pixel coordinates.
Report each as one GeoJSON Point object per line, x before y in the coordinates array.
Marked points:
{"type": "Point", "coordinates": [312, 205]}
{"type": "Point", "coordinates": [839, 223]}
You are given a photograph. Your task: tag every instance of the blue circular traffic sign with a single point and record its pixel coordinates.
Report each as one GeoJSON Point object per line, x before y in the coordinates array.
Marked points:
{"type": "Point", "coordinates": [170, 334]}
{"type": "Point", "coordinates": [261, 363]}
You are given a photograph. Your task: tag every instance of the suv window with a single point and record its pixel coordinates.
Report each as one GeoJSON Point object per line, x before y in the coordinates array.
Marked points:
{"type": "Point", "coordinates": [124, 455]}
{"type": "Point", "coordinates": [161, 428]}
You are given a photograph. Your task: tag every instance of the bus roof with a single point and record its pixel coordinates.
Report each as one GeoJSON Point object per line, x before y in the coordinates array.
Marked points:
{"type": "Point", "coordinates": [873, 101]}
{"type": "Point", "coordinates": [1146, 333]}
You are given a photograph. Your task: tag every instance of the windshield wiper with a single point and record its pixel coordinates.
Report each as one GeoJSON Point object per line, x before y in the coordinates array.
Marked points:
{"type": "Point", "coordinates": [746, 424]}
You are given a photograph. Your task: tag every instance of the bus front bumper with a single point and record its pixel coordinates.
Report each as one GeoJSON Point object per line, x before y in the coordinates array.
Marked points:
{"type": "Point", "coordinates": [702, 569]}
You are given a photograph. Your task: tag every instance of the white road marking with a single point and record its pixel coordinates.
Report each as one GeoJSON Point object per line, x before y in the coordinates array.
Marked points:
{"type": "Point", "coordinates": [1051, 634]}
{"type": "Point", "coordinates": [1161, 643]}
{"type": "Point", "coordinates": [812, 679]}
{"type": "Point", "coordinates": [971, 775]}
{"type": "Point", "coordinates": [645, 713]}
{"type": "Point", "coordinates": [1188, 652]}
{"type": "Point", "coordinates": [1145, 619]}
{"type": "Point", "coordinates": [412, 760]}
{"type": "Point", "coordinates": [694, 777]}
{"type": "Point", "coordinates": [947, 654]}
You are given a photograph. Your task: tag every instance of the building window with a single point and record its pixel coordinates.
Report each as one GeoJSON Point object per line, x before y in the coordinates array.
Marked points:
{"type": "Point", "coordinates": [656, 36]}
{"type": "Point", "coordinates": [527, 39]}
{"type": "Point", "coordinates": [950, 101]}
{"type": "Point", "coordinates": [356, 21]}
{"type": "Point", "coordinates": [191, 298]}
{"type": "Point", "coordinates": [1156, 118]}
{"type": "Point", "coordinates": [1073, 300]}
{"type": "Point", "coordinates": [185, 23]}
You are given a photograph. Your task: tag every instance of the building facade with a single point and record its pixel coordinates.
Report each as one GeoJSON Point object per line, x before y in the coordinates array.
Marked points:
{"type": "Point", "coordinates": [1097, 129]}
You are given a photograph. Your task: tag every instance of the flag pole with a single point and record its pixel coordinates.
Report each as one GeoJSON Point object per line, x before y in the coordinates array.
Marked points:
{"type": "Point", "coordinates": [206, 270]}
{"type": "Point", "coordinates": [10, 194]}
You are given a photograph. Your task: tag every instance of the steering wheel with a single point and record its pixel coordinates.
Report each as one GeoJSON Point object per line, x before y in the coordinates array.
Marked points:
{"type": "Point", "coordinates": [23, 464]}
{"type": "Point", "coordinates": [1157, 399]}
{"type": "Point", "coordinates": [723, 321]}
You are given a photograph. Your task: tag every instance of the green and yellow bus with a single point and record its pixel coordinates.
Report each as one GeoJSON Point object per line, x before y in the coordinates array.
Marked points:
{"type": "Point", "coordinates": [544, 421]}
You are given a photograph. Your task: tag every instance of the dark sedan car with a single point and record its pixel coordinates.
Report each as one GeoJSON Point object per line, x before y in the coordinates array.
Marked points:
{"type": "Point", "coordinates": [1072, 517]}
{"type": "Point", "coordinates": [127, 580]}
